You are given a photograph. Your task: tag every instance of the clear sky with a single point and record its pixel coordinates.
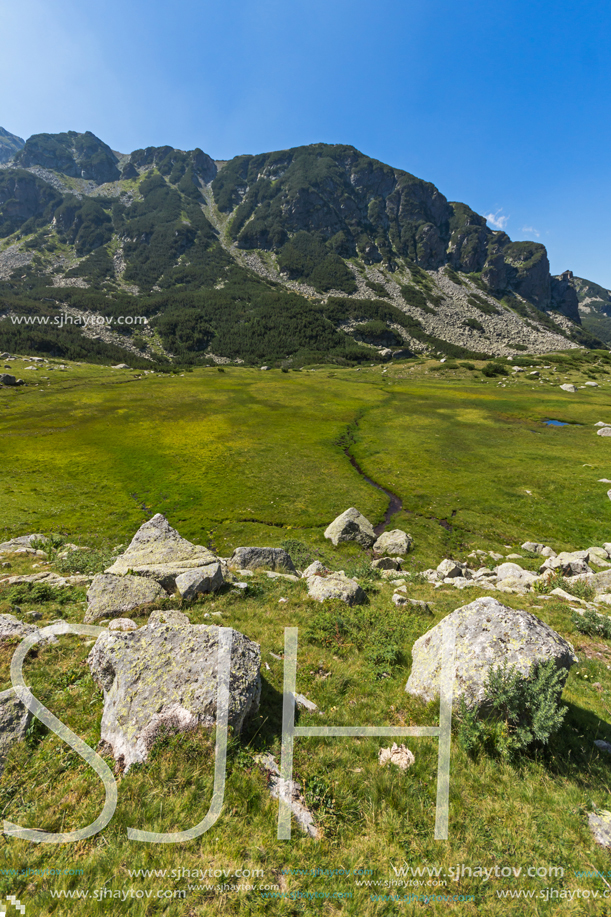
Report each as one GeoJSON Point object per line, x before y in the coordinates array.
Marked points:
{"type": "Point", "coordinates": [503, 105]}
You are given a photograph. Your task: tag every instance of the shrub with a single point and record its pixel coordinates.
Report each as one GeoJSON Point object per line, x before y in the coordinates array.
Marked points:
{"type": "Point", "coordinates": [38, 593]}
{"type": "Point", "coordinates": [300, 553]}
{"type": "Point", "coordinates": [495, 369]}
{"type": "Point", "coordinates": [593, 624]}
{"type": "Point", "coordinates": [520, 712]}
{"type": "Point", "coordinates": [474, 324]}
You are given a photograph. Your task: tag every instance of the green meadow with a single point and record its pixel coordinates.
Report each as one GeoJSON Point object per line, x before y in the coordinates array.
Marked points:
{"type": "Point", "coordinates": [249, 457]}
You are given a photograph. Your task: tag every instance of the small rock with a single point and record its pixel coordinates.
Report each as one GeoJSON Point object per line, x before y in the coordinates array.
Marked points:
{"type": "Point", "coordinates": [315, 569]}
{"type": "Point", "coordinates": [120, 366]}
{"type": "Point", "coordinates": [336, 586]}
{"type": "Point", "coordinates": [302, 701]}
{"type": "Point", "coordinates": [451, 568]}
{"type": "Point", "coordinates": [14, 721]}
{"type": "Point", "coordinates": [399, 755]}
{"type": "Point", "coordinates": [591, 384]}
{"type": "Point", "coordinates": [399, 599]}
{"type": "Point", "coordinates": [514, 557]}
{"type": "Point", "coordinates": [604, 746]}
{"type": "Point", "coordinates": [394, 542]}
{"type": "Point", "coordinates": [200, 581]}
{"type": "Point", "coordinates": [123, 624]}
{"type": "Point", "coordinates": [604, 431]}
{"type": "Point", "coordinates": [386, 563]}
{"type": "Point", "coordinates": [568, 387]}
{"type": "Point", "coordinates": [600, 826]}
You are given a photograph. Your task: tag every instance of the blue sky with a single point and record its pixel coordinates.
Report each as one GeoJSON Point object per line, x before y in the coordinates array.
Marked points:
{"type": "Point", "coordinates": [505, 106]}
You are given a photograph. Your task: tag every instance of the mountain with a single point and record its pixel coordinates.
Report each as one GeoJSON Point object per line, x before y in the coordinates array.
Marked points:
{"type": "Point", "coordinates": [9, 145]}
{"type": "Point", "coordinates": [594, 308]}
{"type": "Point", "coordinates": [317, 252]}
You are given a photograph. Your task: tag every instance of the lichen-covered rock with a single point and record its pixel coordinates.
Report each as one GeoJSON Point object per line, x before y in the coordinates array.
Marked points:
{"type": "Point", "coordinates": [315, 569]}
{"type": "Point", "coordinates": [336, 586]}
{"type": "Point", "coordinates": [386, 563]}
{"type": "Point", "coordinates": [23, 541]}
{"type": "Point", "coordinates": [262, 559]}
{"type": "Point", "coordinates": [351, 526]}
{"type": "Point", "coordinates": [199, 581]}
{"type": "Point", "coordinates": [164, 677]}
{"type": "Point", "coordinates": [600, 826]}
{"type": "Point", "coordinates": [158, 552]}
{"type": "Point", "coordinates": [394, 542]}
{"type": "Point", "coordinates": [488, 634]}
{"type": "Point", "coordinates": [514, 577]}
{"type": "Point", "coordinates": [14, 720]}
{"type": "Point", "coordinates": [111, 596]}
{"type": "Point", "coordinates": [11, 627]}
{"type": "Point", "coordinates": [122, 624]}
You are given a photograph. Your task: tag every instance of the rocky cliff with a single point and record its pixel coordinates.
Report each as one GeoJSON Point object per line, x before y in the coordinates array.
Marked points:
{"type": "Point", "coordinates": [318, 250]}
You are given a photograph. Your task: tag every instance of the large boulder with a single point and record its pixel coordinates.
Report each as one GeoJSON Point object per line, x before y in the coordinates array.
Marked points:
{"type": "Point", "coordinates": [200, 580]}
{"type": "Point", "coordinates": [396, 542]}
{"type": "Point", "coordinates": [159, 552]}
{"type": "Point", "coordinates": [14, 721]}
{"type": "Point", "coordinates": [335, 586]}
{"type": "Point", "coordinates": [351, 526]}
{"type": "Point", "coordinates": [488, 634]}
{"type": "Point", "coordinates": [262, 558]}
{"type": "Point", "coordinates": [111, 596]}
{"type": "Point", "coordinates": [164, 677]}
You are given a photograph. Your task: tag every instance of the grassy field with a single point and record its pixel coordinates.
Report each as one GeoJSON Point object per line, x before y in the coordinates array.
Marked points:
{"type": "Point", "coordinates": [245, 457]}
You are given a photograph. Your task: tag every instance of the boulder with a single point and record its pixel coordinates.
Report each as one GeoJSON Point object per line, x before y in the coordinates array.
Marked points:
{"type": "Point", "coordinates": [24, 541]}
{"type": "Point", "coordinates": [568, 387]}
{"type": "Point", "coordinates": [262, 558]}
{"type": "Point", "coordinates": [514, 577]}
{"type": "Point", "coordinates": [315, 569]}
{"type": "Point", "coordinates": [395, 542]}
{"type": "Point", "coordinates": [488, 634]}
{"type": "Point", "coordinates": [336, 586]}
{"type": "Point", "coordinates": [7, 379]}
{"type": "Point", "coordinates": [386, 563]}
{"type": "Point", "coordinates": [568, 563]}
{"type": "Point", "coordinates": [591, 384]}
{"type": "Point", "coordinates": [162, 678]}
{"type": "Point", "coordinates": [451, 568]}
{"type": "Point", "coordinates": [110, 596]}
{"type": "Point", "coordinates": [604, 431]}
{"type": "Point", "coordinates": [158, 552]}
{"type": "Point", "coordinates": [200, 580]}
{"type": "Point", "coordinates": [351, 526]}
{"type": "Point", "coordinates": [14, 721]}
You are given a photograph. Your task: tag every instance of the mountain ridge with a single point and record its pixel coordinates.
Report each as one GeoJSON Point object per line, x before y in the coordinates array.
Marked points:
{"type": "Point", "coordinates": [281, 256]}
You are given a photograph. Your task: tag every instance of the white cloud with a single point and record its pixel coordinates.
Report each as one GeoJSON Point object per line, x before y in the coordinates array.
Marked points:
{"type": "Point", "coordinates": [499, 220]}
{"type": "Point", "coordinates": [531, 230]}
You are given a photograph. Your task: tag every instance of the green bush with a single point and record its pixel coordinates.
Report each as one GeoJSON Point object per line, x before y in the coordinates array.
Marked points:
{"type": "Point", "coordinates": [593, 624]}
{"type": "Point", "coordinates": [38, 593]}
{"type": "Point", "coordinates": [474, 324]}
{"type": "Point", "coordinates": [300, 553]}
{"type": "Point", "coordinates": [519, 713]}
{"type": "Point", "coordinates": [495, 369]}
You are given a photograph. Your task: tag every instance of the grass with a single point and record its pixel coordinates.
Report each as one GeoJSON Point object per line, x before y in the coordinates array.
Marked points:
{"type": "Point", "coordinates": [98, 451]}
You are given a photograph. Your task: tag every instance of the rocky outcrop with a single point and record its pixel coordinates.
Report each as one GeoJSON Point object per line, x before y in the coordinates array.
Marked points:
{"type": "Point", "coordinates": [159, 552]}
{"type": "Point", "coordinates": [163, 678]}
{"type": "Point", "coordinates": [351, 526]}
{"type": "Point", "coordinates": [488, 635]}
{"type": "Point", "coordinates": [73, 154]}
{"type": "Point", "coordinates": [111, 596]}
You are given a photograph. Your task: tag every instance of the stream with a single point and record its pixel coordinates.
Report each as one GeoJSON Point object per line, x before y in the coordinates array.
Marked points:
{"type": "Point", "coordinates": [394, 505]}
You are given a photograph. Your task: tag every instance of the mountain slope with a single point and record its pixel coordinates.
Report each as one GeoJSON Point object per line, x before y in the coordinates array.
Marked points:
{"type": "Point", "coordinates": [9, 145]}
{"type": "Point", "coordinates": [318, 252]}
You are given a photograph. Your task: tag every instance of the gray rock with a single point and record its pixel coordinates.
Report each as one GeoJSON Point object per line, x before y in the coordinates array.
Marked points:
{"type": "Point", "coordinates": [169, 616]}
{"type": "Point", "coordinates": [158, 551]}
{"type": "Point", "coordinates": [395, 542]}
{"type": "Point", "coordinates": [262, 558]}
{"type": "Point", "coordinates": [488, 634]}
{"type": "Point", "coordinates": [120, 366]}
{"type": "Point", "coordinates": [399, 600]}
{"type": "Point", "coordinates": [290, 792]}
{"type": "Point", "coordinates": [448, 569]}
{"type": "Point", "coordinates": [111, 596]}
{"type": "Point", "coordinates": [24, 541]}
{"type": "Point", "coordinates": [568, 387]}
{"type": "Point", "coordinates": [11, 627]}
{"type": "Point", "coordinates": [513, 576]}
{"type": "Point", "coordinates": [591, 384]}
{"type": "Point", "coordinates": [336, 586]}
{"type": "Point", "coordinates": [399, 755]}
{"type": "Point", "coordinates": [200, 580]}
{"type": "Point", "coordinates": [123, 624]}
{"type": "Point", "coordinates": [600, 826]}
{"type": "Point", "coordinates": [386, 563]}
{"type": "Point", "coordinates": [534, 547]}
{"type": "Point", "coordinates": [7, 379]}
{"type": "Point", "coordinates": [603, 746]}
{"type": "Point", "coordinates": [351, 526]}
{"type": "Point", "coordinates": [568, 563]}
{"type": "Point", "coordinates": [164, 677]}
{"type": "Point", "coordinates": [315, 569]}
{"type": "Point", "coordinates": [604, 431]}
{"type": "Point", "coordinates": [547, 552]}
{"type": "Point", "coordinates": [14, 721]}
{"type": "Point", "coordinates": [302, 701]}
